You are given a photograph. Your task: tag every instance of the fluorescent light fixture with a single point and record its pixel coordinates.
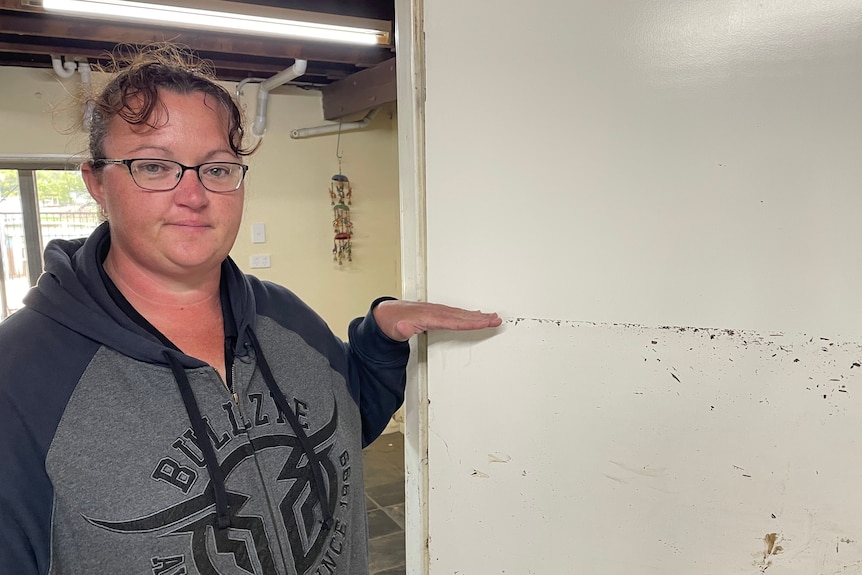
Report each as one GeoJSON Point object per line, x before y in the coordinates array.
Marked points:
{"type": "Point", "coordinates": [222, 19]}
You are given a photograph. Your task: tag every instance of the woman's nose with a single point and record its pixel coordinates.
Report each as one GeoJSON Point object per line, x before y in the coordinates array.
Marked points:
{"type": "Point", "coordinates": [190, 191]}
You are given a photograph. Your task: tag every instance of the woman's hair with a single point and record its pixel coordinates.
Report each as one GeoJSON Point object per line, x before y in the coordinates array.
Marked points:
{"type": "Point", "coordinates": [137, 75]}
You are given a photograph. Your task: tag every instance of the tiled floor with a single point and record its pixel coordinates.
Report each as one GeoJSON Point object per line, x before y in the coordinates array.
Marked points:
{"type": "Point", "coordinates": [384, 496]}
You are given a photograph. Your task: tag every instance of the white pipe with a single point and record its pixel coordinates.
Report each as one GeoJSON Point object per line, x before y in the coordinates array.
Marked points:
{"type": "Point", "coordinates": [64, 70]}
{"type": "Point", "coordinates": [84, 69]}
{"type": "Point", "coordinates": [333, 128]}
{"type": "Point", "coordinates": [243, 82]}
{"type": "Point", "coordinates": [298, 69]}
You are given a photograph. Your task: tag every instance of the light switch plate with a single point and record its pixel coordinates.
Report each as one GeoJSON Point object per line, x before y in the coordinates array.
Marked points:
{"type": "Point", "coordinates": [258, 233]}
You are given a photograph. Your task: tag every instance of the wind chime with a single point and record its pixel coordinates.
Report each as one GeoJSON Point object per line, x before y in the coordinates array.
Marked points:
{"type": "Point", "coordinates": [340, 195]}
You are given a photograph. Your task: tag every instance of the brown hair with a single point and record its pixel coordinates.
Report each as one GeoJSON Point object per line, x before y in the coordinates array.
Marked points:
{"type": "Point", "coordinates": [133, 91]}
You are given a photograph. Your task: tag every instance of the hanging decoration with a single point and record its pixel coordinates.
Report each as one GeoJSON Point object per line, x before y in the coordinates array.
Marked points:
{"type": "Point", "coordinates": [340, 196]}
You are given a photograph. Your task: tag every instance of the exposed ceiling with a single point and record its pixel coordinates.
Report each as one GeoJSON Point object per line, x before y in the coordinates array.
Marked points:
{"type": "Point", "coordinates": [29, 37]}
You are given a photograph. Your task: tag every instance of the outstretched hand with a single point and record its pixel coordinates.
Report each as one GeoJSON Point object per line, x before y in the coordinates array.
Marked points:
{"type": "Point", "coordinates": [402, 319]}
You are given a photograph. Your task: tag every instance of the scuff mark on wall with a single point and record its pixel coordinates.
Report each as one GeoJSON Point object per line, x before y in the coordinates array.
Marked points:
{"type": "Point", "coordinates": [841, 540]}
{"type": "Point", "coordinates": [499, 458]}
{"type": "Point", "coordinates": [646, 470]}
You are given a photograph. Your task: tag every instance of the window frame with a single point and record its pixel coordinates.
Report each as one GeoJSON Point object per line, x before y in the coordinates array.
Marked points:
{"type": "Point", "coordinates": [27, 165]}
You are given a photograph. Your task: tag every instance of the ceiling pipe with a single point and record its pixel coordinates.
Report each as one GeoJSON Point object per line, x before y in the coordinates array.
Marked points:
{"type": "Point", "coordinates": [63, 69]}
{"type": "Point", "coordinates": [67, 69]}
{"type": "Point", "coordinates": [334, 128]}
{"type": "Point", "coordinates": [258, 128]}
{"type": "Point", "coordinates": [241, 84]}
{"type": "Point", "coordinates": [84, 69]}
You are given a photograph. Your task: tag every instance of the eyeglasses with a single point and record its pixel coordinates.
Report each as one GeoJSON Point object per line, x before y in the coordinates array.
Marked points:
{"type": "Point", "coordinates": [164, 175]}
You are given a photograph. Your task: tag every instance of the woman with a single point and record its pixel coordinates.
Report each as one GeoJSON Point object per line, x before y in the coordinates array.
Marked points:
{"type": "Point", "coordinates": [161, 411]}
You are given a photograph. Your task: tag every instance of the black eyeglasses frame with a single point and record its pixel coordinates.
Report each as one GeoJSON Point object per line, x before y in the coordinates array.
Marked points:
{"type": "Point", "coordinates": [102, 162]}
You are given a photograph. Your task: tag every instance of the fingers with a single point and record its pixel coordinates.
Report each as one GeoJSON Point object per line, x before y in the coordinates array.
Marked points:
{"type": "Point", "coordinates": [466, 321]}
{"type": "Point", "coordinates": [401, 320]}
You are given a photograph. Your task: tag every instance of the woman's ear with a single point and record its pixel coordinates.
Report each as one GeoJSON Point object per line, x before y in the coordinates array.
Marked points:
{"type": "Point", "coordinates": [93, 180]}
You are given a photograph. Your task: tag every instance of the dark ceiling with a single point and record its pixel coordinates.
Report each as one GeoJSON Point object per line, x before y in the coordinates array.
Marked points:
{"type": "Point", "coordinates": [28, 38]}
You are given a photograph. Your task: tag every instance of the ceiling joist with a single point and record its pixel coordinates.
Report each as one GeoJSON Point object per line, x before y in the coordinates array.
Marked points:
{"type": "Point", "coordinates": [360, 92]}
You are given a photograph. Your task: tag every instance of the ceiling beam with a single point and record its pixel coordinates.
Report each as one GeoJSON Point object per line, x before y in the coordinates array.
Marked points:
{"type": "Point", "coordinates": [360, 91]}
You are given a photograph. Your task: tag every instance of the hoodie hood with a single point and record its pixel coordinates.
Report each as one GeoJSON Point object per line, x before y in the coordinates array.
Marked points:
{"type": "Point", "coordinates": [72, 293]}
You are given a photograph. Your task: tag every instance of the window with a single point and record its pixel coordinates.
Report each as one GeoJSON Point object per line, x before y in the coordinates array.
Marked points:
{"type": "Point", "coordinates": [40, 200]}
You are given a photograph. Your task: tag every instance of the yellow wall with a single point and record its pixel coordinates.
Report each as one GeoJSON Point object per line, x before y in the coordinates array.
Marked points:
{"type": "Point", "coordinates": [286, 189]}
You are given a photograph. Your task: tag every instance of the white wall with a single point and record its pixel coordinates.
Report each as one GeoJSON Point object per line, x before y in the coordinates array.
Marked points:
{"type": "Point", "coordinates": [287, 188]}
{"type": "Point", "coordinates": [596, 171]}
{"type": "Point", "coordinates": [675, 161]}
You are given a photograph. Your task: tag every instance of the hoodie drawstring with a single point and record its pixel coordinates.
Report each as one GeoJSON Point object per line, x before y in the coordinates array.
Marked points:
{"type": "Point", "coordinates": [281, 402]}
{"type": "Point", "coordinates": [204, 443]}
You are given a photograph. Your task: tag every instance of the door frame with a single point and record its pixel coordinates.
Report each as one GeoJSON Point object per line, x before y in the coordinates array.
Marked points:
{"type": "Point", "coordinates": [410, 74]}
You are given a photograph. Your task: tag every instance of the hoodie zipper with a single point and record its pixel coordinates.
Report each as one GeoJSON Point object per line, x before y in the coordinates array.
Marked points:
{"type": "Point", "coordinates": [230, 368]}
{"type": "Point", "coordinates": [234, 395]}
{"type": "Point", "coordinates": [231, 386]}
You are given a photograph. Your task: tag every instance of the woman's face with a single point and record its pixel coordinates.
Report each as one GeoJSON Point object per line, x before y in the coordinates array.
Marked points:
{"type": "Point", "coordinates": [182, 233]}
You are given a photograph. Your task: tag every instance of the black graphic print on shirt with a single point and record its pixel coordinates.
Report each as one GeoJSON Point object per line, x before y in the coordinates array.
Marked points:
{"type": "Point", "coordinates": [247, 545]}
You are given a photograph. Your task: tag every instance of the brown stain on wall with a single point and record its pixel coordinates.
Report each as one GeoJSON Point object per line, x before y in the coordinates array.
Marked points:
{"type": "Point", "coordinates": [772, 548]}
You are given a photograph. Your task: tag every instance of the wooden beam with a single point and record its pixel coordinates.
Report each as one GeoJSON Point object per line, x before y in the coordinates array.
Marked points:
{"type": "Point", "coordinates": [360, 91]}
